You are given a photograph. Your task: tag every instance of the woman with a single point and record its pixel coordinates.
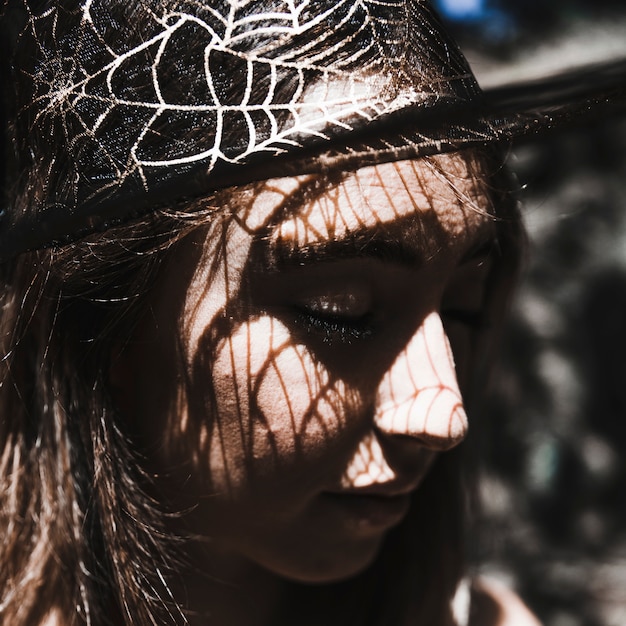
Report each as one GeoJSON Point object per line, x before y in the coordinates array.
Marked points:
{"type": "Point", "coordinates": [229, 313]}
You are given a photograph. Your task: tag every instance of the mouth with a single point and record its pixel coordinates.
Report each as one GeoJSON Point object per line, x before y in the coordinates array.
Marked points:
{"type": "Point", "coordinates": [375, 507]}
{"type": "Point", "coordinates": [368, 513]}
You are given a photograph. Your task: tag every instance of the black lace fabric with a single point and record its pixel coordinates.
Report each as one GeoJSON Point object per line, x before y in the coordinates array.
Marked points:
{"type": "Point", "coordinates": [120, 107]}
{"type": "Point", "coordinates": [128, 97]}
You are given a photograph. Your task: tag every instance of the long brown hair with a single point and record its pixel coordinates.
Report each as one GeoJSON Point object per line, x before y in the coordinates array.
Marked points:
{"type": "Point", "coordinates": [78, 527]}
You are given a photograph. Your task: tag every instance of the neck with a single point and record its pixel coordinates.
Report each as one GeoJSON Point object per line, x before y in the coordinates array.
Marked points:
{"type": "Point", "coordinates": [218, 587]}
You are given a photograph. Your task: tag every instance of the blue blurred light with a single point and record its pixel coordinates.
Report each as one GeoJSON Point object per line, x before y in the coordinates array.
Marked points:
{"type": "Point", "coordinates": [462, 9]}
{"type": "Point", "coordinates": [491, 24]}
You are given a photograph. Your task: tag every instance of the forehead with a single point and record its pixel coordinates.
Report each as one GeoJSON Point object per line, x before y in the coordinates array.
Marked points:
{"type": "Point", "coordinates": [443, 196]}
{"type": "Point", "coordinates": [407, 213]}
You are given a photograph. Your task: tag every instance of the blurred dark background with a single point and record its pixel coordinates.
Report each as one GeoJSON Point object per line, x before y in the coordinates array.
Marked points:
{"type": "Point", "coordinates": [553, 484]}
{"type": "Point", "coordinates": [554, 481]}
{"type": "Point", "coordinates": [503, 24]}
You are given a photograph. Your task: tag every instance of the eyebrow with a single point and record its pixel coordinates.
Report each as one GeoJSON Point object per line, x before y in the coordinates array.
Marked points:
{"type": "Point", "coordinates": [405, 251]}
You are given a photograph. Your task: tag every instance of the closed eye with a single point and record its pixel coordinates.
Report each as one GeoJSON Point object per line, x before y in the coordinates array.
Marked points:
{"type": "Point", "coordinates": [335, 328]}
{"type": "Point", "coordinates": [338, 315]}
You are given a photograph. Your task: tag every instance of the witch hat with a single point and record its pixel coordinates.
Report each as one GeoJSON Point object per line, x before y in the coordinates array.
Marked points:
{"type": "Point", "coordinates": [114, 107]}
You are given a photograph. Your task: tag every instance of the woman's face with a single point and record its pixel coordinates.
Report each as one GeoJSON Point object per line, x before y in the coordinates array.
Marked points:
{"type": "Point", "coordinates": [294, 377]}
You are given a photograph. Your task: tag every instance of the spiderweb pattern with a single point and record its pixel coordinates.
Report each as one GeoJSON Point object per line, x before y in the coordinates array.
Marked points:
{"type": "Point", "coordinates": [209, 82]}
{"type": "Point", "coordinates": [119, 106]}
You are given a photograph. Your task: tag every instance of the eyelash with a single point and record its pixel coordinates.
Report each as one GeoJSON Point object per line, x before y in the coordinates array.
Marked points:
{"type": "Point", "coordinates": [332, 328]}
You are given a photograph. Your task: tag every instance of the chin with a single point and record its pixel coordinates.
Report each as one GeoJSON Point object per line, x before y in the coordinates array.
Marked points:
{"type": "Point", "coordinates": [325, 567]}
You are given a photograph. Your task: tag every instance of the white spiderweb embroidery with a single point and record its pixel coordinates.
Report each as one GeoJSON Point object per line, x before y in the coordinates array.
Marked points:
{"type": "Point", "coordinates": [210, 82]}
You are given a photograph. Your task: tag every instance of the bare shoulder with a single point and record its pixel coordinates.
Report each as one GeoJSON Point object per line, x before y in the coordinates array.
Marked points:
{"type": "Point", "coordinates": [494, 604]}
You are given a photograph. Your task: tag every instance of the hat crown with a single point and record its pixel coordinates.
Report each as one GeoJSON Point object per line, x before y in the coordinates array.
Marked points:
{"type": "Point", "coordinates": [117, 99]}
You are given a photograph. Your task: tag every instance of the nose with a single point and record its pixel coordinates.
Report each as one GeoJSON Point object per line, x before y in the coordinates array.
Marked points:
{"type": "Point", "coordinates": [419, 396]}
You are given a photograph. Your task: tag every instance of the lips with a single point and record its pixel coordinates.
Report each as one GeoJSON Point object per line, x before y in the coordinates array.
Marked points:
{"type": "Point", "coordinates": [369, 513]}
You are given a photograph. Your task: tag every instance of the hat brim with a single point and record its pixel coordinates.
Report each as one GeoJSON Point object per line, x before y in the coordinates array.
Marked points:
{"type": "Point", "coordinates": [502, 115]}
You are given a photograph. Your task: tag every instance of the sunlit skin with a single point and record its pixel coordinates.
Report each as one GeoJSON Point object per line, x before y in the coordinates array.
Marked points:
{"type": "Point", "coordinates": [294, 377]}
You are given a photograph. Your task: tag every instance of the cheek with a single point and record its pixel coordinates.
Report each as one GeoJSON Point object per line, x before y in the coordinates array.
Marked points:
{"type": "Point", "coordinates": [278, 409]}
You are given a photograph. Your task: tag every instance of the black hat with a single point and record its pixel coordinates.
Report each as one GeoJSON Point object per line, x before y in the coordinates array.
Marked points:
{"type": "Point", "coordinates": [115, 106]}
